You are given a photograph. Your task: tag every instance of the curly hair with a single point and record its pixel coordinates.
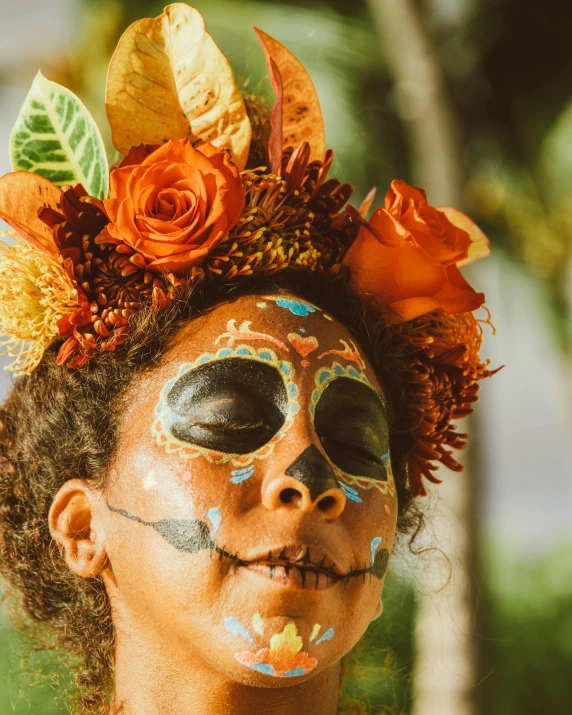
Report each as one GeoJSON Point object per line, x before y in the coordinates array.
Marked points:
{"type": "Point", "coordinates": [60, 423]}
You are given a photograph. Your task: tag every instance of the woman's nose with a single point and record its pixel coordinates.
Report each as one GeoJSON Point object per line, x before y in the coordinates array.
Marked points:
{"type": "Point", "coordinates": [308, 483]}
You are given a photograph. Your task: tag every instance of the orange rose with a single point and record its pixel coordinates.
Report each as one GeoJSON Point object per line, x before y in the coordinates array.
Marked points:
{"type": "Point", "coordinates": [409, 260]}
{"type": "Point", "coordinates": [174, 205]}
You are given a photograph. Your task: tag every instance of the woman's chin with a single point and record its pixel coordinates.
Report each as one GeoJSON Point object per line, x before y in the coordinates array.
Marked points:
{"type": "Point", "coordinates": [277, 650]}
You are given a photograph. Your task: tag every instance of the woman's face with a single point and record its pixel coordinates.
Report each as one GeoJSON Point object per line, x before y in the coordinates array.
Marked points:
{"type": "Point", "coordinates": [251, 509]}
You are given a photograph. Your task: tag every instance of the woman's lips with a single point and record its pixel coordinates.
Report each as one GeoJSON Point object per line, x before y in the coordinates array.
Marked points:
{"type": "Point", "coordinates": [293, 576]}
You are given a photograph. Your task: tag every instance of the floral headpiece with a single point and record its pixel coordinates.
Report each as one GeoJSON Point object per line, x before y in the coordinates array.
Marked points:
{"type": "Point", "coordinates": [91, 247]}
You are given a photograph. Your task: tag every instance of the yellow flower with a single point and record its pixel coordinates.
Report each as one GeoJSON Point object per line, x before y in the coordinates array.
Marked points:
{"type": "Point", "coordinates": [35, 293]}
{"type": "Point", "coordinates": [288, 639]}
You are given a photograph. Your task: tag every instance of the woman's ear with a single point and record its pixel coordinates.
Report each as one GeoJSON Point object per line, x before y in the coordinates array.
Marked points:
{"type": "Point", "coordinates": [72, 525]}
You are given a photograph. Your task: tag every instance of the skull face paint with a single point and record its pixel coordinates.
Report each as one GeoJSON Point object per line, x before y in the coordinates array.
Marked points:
{"type": "Point", "coordinates": [256, 512]}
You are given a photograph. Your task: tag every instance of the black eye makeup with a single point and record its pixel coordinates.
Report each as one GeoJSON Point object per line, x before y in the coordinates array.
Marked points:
{"type": "Point", "coordinates": [351, 423]}
{"type": "Point", "coordinates": [234, 406]}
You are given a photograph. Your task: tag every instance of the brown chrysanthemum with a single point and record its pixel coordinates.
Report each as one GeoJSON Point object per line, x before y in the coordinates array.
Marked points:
{"type": "Point", "coordinates": [111, 278]}
{"type": "Point", "coordinates": [443, 351]}
{"type": "Point", "coordinates": [291, 221]}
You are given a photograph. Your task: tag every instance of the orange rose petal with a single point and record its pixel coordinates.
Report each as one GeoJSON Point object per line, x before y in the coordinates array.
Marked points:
{"type": "Point", "coordinates": [118, 178]}
{"type": "Point", "coordinates": [112, 208]}
{"type": "Point", "coordinates": [162, 246]}
{"type": "Point", "coordinates": [410, 308]}
{"type": "Point", "coordinates": [235, 198]}
{"type": "Point", "coordinates": [401, 193]}
{"type": "Point", "coordinates": [179, 263]}
{"type": "Point", "coordinates": [199, 193]}
{"type": "Point", "coordinates": [126, 220]}
{"type": "Point", "coordinates": [407, 261]}
{"type": "Point", "coordinates": [212, 231]}
{"type": "Point", "coordinates": [144, 196]}
{"type": "Point", "coordinates": [371, 266]}
{"type": "Point", "coordinates": [176, 205]}
{"type": "Point", "coordinates": [438, 249]}
{"type": "Point", "coordinates": [193, 218]}
{"type": "Point", "coordinates": [178, 152]}
{"type": "Point", "coordinates": [217, 210]}
{"type": "Point", "coordinates": [171, 205]}
{"type": "Point", "coordinates": [390, 231]}
{"type": "Point", "coordinates": [177, 173]}
{"type": "Point", "coordinates": [480, 245]}
{"type": "Point", "coordinates": [416, 274]}
{"type": "Point", "coordinates": [136, 154]}
{"type": "Point", "coordinates": [457, 296]}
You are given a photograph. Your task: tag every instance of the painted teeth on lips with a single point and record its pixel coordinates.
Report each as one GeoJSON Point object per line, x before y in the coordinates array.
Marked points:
{"type": "Point", "coordinates": [294, 576]}
{"type": "Point", "coordinates": [296, 566]}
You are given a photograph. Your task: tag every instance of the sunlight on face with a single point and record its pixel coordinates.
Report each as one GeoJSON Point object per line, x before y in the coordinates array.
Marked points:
{"type": "Point", "coordinates": [252, 508]}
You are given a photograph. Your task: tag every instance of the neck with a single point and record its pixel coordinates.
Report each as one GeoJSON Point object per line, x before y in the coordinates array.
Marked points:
{"type": "Point", "coordinates": [152, 681]}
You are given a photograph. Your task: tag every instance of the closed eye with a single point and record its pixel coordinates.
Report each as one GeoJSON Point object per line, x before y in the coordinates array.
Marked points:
{"type": "Point", "coordinates": [232, 405]}
{"type": "Point", "coordinates": [357, 451]}
{"type": "Point", "coordinates": [351, 422]}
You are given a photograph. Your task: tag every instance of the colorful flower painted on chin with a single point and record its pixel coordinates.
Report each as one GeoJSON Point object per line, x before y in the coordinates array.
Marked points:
{"type": "Point", "coordinates": [350, 483]}
{"type": "Point", "coordinates": [283, 659]}
{"type": "Point", "coordinates": [164, 418]}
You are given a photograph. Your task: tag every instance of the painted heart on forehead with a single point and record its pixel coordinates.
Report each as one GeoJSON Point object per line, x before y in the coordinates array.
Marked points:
{"type": "Point", "coordinates": [303, 345]}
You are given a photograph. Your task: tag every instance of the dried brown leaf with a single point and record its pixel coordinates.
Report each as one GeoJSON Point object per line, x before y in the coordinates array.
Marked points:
{"type": "Point", "coordinates": [300, 107]}
{"type": "Point", "coordinates": [22, 194]}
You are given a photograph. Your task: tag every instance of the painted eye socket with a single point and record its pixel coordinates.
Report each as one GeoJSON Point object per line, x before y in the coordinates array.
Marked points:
{"type": "Point", "coordinates": [351, 423]}
{"type": "Point", "coordinates": [233, 405]}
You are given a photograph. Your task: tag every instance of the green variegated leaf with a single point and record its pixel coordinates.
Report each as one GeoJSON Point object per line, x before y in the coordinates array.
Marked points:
{"type": "Point", "coordinates": [56, 137]}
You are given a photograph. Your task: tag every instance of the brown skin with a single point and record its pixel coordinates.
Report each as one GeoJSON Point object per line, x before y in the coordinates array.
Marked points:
{"type": "Point", "coordinates": [173, 652]}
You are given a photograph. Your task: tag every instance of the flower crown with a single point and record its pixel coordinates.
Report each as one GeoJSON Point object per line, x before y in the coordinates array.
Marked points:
{"type": "Point", "coordinates": [91, 247]}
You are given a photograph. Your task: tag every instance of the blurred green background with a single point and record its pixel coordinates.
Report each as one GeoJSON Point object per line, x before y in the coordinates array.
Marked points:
{"type": "Point", "coordinates": [471, 99]}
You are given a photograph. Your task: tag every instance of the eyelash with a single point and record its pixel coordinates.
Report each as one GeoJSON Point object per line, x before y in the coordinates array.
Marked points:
{"type": "Point", "coordinates": [231, 426]}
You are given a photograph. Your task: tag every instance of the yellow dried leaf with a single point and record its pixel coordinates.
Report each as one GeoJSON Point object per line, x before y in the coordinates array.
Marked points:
{"type": "Point", "coordinates": [168, 80]}
{"type": "Point", "coordinates": [22, 194]}
{"type": "Point", "coordinates": [301, 113]}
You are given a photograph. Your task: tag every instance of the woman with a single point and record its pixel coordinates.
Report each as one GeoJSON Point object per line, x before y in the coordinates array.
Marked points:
{"type": "Point", "coordinates": [234, 383]}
